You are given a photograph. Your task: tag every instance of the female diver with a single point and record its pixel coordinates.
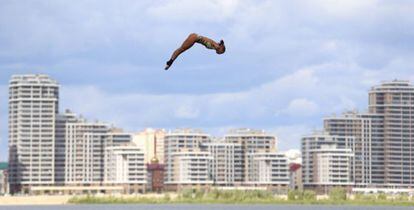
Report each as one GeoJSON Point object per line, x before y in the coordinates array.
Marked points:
{"type": "Point", "coordinates": [189, 42]}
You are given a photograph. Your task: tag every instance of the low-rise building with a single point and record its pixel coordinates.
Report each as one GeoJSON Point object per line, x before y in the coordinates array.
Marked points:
{"type": "Point", "coordinates": [156, 176]}
{"type": "Point", "coordinates": [332, 166]}
{"type": "Point", "coordinates": [124, 166]}
{"type": "Point", "coordinates": [327, 161]}
{"type": "Point", "coordinates": [191, 169]}
{"type": "Point", "coordinates": [226, 164]}
{"type": "Point", "coordinates": [185, 162]}
{"type": "Point", "coordinates": [271, 170]}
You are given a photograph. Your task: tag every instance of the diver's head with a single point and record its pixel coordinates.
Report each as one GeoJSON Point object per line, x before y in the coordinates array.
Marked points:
{"type": "Point", "coordinates": [222, 48]}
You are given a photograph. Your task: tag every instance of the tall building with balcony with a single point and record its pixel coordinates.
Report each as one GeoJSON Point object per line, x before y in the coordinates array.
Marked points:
{"type": "Point", "coordinates": [327, 161]}
{"type": "Point", "coordinates": [394, 103]}
{"type": "Point", "coordinates": [85, 150]}
{"type": "Point", "coordinates": [60, 145]}
{"type": "Point", "coordinates": [33, 110]}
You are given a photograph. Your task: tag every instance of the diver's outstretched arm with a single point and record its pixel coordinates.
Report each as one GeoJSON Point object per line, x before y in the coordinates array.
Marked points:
{"type": "Point", "coordinates": [188, 43]}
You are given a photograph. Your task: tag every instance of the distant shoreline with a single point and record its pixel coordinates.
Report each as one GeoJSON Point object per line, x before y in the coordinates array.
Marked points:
{"type": "Point", "coordinates": [243, 198]}
{"type": "Point", "coordinates": [276, 202]}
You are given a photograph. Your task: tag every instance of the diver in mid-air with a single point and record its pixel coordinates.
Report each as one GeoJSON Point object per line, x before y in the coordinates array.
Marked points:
{"type": "Point", "coordinates": [189, 42]}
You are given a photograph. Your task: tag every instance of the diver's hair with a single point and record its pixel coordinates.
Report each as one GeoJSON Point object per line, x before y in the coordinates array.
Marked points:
{"type": "Point", "coordinates": [222, 44]}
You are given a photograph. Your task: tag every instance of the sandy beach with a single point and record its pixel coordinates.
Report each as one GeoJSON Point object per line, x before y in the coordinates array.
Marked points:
{"type": "Point", "coordinates": [61, 199]}
{"type": "Point", "coordinates": [34, 200]}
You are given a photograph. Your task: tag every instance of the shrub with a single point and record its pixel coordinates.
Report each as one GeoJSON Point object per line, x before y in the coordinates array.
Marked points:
{"type": "Point", "coordinates": [382, 196]}
{"type": "Point", "coordinates": [337, 194]}
{"type": "Point", "coordinates": [293, 195]}
{"type": "Point", "coordinates": [363, 197]}
{"type": "Point", "coordinates": [199, 194]}
{"type": "Point", "coordinates": [403, 197]}
{"type": "Point", "coordinates": [213, 195]}
{"type": "Point", "coordinates": [187, 193]}
{"type": "Point", "coordinates": [309, 195]}
{"type": "Point", "coordinates": [167, 197]}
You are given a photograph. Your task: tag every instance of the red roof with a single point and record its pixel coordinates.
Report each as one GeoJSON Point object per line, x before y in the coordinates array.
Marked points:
{"type": "Point", "coordinates": [294, 166]}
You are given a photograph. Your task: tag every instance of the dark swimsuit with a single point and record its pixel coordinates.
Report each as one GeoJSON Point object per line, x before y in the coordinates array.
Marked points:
{"type": "Point", "coordinates": [204, 42]}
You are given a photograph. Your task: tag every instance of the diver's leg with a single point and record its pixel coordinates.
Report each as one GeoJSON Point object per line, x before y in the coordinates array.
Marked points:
{"type": "Point", "coordinates": [188, 43]}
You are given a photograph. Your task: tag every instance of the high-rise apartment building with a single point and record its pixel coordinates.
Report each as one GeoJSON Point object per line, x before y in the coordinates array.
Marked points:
{"type": "Point", "coordinates": [394, 102]}
{"type": "Point", "coordinates": [384, 142]}
{"type": "Point", "coordinates": [85, 150]}
{"type": "Point", "coordinates": [251, 141]}
{"type": "Point", "coordinates": [33, 110]}
{"type": "Point", "coordinates": [368, 168]}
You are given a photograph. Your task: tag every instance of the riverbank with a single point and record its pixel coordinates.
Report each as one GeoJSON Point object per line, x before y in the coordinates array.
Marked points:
{"type": "Point", "coordinates": [139, 200]}
{"type": "Point", "coordinates": [250, 197]}
{"type": "Point", "coordinates": [215, 197]}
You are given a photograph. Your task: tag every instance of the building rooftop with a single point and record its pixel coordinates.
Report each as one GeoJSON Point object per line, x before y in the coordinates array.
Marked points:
{"type": "Point", "coordinates": [393, 85]}
{"type": "Point", "coordinates": [187, 131]}
{"type": "Point", "coordinates": [32, 79]}
{"type": "Point", "coordinates": [246, 131]}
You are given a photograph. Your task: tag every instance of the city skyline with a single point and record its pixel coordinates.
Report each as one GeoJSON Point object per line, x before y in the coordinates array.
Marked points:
{"type": "Point", "coordinates": [62, 152]}
{"type": "Point", "coordinates": [282, 72]}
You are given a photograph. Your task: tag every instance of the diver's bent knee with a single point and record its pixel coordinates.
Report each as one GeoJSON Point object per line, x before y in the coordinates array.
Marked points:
{"type": "Point", "coordinates": [193, 35]}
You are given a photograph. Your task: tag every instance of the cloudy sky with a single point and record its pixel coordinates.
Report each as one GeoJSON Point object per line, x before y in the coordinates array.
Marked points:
{"type": "Point", "coordinates": [287, 65]}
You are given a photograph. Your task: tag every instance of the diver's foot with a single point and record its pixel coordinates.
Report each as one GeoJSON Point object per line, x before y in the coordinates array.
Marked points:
{"type": "Point", "coordinates": [167, 67]}
{"type": "Point", "coordinates": [169, 63]}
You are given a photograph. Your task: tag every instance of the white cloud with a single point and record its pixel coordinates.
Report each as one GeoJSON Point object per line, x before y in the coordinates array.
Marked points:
{"type": "Point", "coordinates": [344, 8]}
{"type": "Point", "coordinates": [301, 107]}
{"type": "Point", "coordinates": [186, 112]}
{"type": "Point", "coordinates": [188, 10]}
{"type": "Point", "coordinates": [289, 136]}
